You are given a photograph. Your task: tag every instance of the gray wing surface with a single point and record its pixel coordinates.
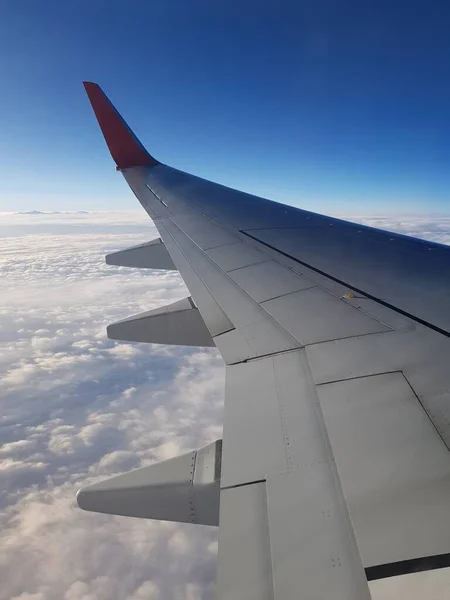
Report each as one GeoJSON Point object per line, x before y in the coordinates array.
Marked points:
{"type": "Point", "coordinates": [334, 468]}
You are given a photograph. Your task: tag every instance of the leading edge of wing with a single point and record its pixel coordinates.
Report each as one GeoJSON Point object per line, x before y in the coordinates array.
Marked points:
{"type": "Point", "coordinates": [126, 150]}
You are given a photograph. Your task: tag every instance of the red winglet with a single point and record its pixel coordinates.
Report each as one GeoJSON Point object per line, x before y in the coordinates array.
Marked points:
{"type": "Point", "coordinates": [125, 148]}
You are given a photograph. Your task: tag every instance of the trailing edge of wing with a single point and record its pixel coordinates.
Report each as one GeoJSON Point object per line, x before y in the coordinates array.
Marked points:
{"type": "Point", "coordinates": [126, 150]}
{"type": "Point", "coordinates": [185, 489]}
{"type": "Point", "coordinates": [151, 255]}
{"type": "Point", "coordinates": [179, 324]}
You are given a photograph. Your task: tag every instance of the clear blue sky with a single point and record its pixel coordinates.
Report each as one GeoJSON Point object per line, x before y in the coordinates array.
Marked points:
{"type": "Point", "coordinates": [331, 105]}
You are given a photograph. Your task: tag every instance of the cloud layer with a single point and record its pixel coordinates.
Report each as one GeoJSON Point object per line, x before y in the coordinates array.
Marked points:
{"type": "Point", "coordinates": [77, 407]}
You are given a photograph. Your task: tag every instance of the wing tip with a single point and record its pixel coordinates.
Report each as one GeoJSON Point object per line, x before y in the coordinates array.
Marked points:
{"type": "Point", "coordinates": [90, 84]}
{"type": "Point", "coordinates": [125, 148]}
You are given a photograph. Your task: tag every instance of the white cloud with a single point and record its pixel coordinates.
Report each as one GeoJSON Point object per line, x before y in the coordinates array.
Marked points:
{"type": "Point", "coordinates": [147, 591]}
{"type": "Point", "coordinates": [42, 343]}
{"type": "Point", "coordinates": [77, 407]}
{"type": "Point", "coordinates": [27, 596]}
{"type": "Point", "coordinates": [16, 448]}
{"type": "Point", "coordinates": [116, 462]}
{"type": "Point", "coordinates": [435, 229]}
{"type": "Point", "coordinates": [124, 351]}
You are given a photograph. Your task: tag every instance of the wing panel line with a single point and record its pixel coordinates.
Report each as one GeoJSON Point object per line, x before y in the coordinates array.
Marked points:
{"type": "Point", "coordinates": [349, 285]}
{"type": "Point", "coordinates": [403, 567]}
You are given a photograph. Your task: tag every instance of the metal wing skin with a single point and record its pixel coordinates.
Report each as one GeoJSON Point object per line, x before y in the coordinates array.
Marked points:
{"type": "Point", "coordinates": [335, 465]}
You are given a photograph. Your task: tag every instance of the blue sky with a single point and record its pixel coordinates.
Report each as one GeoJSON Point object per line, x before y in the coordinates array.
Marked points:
{"type": "Point", "coordinates": [335, 106]}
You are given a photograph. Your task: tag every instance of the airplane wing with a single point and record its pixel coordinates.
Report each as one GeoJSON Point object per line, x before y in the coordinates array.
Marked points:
{"type": "Point", "coordinates": [334, 467]}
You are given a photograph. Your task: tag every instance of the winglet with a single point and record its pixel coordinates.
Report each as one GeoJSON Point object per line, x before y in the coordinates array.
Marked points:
{"type": "Point", "coordinates": [125, 148]}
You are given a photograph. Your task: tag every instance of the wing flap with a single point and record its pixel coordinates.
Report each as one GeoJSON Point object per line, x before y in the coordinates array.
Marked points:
{"type": "Point", "coordinates": [392, 463]}
{"type": "Point", "coordinates": [311, 539]}
{"type": "Point", "coordinates": [244, 532]}
{"type": "Point", "coordinates": [290, 480]}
